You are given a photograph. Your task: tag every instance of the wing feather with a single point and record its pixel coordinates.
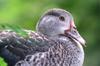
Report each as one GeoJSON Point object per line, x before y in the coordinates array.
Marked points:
{"type": "Point", "coordinates": [14, 47]}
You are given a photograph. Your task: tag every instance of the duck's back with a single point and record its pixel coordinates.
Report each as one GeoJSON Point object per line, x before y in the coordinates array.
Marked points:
{"type": "Point", "coordinates": [14, 47]}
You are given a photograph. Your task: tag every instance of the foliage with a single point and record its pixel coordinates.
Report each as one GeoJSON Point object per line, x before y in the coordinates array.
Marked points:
{"type": "Point", "coordinates": [2, 62]}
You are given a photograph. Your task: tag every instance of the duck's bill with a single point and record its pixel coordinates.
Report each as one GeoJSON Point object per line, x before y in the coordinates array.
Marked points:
{"type": "Point", "coordinates": [74, 35]}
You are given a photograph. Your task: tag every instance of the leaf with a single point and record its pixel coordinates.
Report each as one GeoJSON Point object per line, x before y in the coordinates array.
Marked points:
{"type": "Point", "coordinates": [2, 62]}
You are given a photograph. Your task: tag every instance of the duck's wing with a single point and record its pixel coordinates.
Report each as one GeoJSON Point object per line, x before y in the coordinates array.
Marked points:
{"type": "Point", "coordinates": [14, 47]}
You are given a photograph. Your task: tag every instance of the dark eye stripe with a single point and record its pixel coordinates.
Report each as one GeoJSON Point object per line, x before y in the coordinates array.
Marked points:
{"type": "Point", "coordinates": [53, 13]}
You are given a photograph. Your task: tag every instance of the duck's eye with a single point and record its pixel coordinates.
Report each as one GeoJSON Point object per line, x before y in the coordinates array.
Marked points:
{"type": "Point", "coordinates": [62, 18]}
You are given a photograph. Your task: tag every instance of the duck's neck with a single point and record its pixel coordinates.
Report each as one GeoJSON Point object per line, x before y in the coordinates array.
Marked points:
{"type": "Point", "coordinates": [60, 38]}
{"type": "Point", "coordinates": [67, 42]}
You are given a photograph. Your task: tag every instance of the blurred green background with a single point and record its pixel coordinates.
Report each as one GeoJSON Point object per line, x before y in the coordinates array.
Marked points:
{"type": "Point", "coordinates": [86, 13]}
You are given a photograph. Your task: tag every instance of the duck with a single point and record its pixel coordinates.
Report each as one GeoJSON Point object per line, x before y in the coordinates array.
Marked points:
{"type": "Point", "coordinates": [56, 42]}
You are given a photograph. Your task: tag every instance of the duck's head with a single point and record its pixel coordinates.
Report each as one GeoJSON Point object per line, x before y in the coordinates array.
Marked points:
{"type": "Point", "coordinates": [56, 22]}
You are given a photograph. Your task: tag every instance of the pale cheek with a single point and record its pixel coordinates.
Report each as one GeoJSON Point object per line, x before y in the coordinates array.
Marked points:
{"type": "Point", "coordinates": [66, 26]}
{"type": "Point", "coordinates": [62, 30]}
